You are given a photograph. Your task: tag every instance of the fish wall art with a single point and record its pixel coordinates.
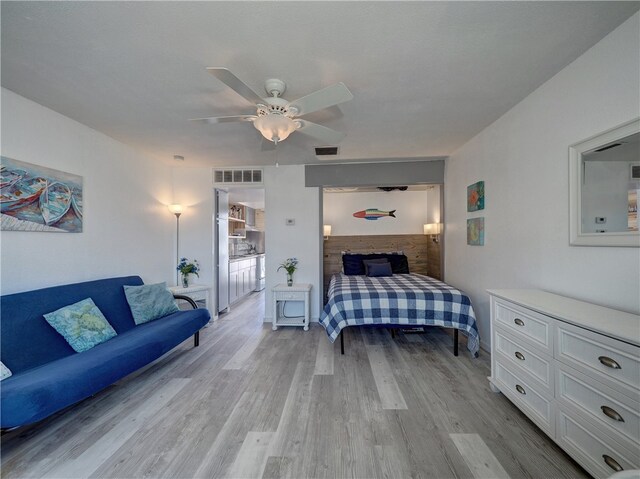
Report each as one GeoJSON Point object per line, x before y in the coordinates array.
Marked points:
{"type": "Point", "coordinates": [35, 198]}
{"type": "Point", "coordinates": [374, 214]}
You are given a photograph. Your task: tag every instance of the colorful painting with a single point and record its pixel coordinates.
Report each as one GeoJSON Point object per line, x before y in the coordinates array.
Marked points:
{"type": "Point", "coordinates": [475, 196]}
{"type": "Point", "coordinates": [374, 214]}
{"type": "Point", "coordinates": [475, 231]}
{"type": "Point", "coordinates": [35, 198]}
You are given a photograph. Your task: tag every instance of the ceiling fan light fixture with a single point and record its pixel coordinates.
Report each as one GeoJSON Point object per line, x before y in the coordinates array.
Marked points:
{"type": "Point", "coordinates": [275, 127]}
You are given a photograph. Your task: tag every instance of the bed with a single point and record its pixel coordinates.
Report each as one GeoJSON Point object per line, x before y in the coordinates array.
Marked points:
{"type": "Point", "coordinates": [400, 300]}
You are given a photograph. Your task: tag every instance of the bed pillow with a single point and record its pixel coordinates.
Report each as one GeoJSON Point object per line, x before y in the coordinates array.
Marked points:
{"type": "Point", "coordinates": [150, 301]}
{"type": "Point", "coordinates": [379, 269]}
{"type": "Point", "coordinates": [367, 262]}
{"type": "Point", "coordinates": [82, 325]}
{"type": "Point", "coordinates": [5, 372]}
{"type": "Point", "coordinates": [352, 263]}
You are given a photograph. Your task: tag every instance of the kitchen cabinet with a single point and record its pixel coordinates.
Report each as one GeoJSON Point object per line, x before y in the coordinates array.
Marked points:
{"type": "Point", "coordinates": [250, 216]}
{"type": "Point", "coordinates": [242, 278]}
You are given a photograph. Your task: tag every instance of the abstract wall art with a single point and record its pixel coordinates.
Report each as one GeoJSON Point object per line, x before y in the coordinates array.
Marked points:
{"type": "Point", "coordinates": [475, 231]}
{"type": "Point", "coordinates": [475, 196]}
{"type": "Point", "coordinates": [35, 198]}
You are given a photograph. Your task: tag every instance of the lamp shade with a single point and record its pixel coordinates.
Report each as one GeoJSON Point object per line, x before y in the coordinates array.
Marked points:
{"type": "Point", "coordinates": [175, 209]}
{"type": "Point", "coordinates": [433, 228]}
{"type": "Point", "coordinates": [274, 127]}
{"type": "Point", "coordinates": [327, 230]}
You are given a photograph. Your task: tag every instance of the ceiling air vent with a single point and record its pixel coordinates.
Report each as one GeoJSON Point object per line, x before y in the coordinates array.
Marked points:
{"type": "Point", "coordinates": [326, 150]}
{"type": "Point", "coordinates": [233, 176]}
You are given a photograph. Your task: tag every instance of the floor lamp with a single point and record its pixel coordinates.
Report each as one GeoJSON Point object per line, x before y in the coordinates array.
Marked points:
{"type": "Point", "coordinates": [177, 210]}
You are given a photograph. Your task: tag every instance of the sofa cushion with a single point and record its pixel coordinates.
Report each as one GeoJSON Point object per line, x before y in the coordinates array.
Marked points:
{"type": "Point", "coordinates": [150, 301]}
{"type": "Point", "coordinates": [81, 324]}
{"type": "Point", "coordinates": [42, 391]}
{"type": "Point", "coordinates": [42, 344]}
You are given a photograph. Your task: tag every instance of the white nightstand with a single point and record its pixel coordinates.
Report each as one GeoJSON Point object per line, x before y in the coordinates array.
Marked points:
{"type": "Point", "coordinates": [297, 292]}
{"type": "Point", "coordinates": [198, 292]}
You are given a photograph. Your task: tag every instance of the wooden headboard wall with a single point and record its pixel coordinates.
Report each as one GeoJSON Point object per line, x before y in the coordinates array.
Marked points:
{"type": "Point", "coordinates": [422, 253]}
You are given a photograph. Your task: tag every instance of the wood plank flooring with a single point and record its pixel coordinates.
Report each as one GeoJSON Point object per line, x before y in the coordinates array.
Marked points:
{"type": "Point", "coordinates": [255, 403]}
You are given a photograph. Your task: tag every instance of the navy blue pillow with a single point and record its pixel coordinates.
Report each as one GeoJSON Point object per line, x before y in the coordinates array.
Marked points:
{"type": "Point", "coordinates": [367, 262]}
{"type": "Point", "coordinates": [352, 264]}
{"type": "Point", "coordinates": [379, 269]}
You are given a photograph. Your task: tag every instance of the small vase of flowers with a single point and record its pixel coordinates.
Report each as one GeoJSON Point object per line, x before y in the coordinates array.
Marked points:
{"type": "Point", "coordinates": [289, 265]}
{"type": "Point", "coordinates": [187, 267]}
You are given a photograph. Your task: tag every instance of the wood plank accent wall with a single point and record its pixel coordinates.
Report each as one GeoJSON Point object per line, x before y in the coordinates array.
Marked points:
{"type": "Point", "coordinates": [416, 247]}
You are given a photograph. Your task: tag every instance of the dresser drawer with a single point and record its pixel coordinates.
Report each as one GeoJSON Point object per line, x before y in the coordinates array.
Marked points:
{"type": "Point", "coordinates": [612, 362]}
{"type": "Point", "coordinates": [521, 389]}
{"type": "Point", "coordinates": [595, 451]}
{"type": "Point", "coordinates": [536, 364]}
{"type": "Point", "coordinates": [529, 325]}
{"type": "Point", "coordinates": [613, 410]}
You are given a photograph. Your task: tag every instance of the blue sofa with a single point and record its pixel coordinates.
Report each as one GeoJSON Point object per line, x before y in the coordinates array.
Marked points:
{"type": "Point", "coordinates": [48, 375]}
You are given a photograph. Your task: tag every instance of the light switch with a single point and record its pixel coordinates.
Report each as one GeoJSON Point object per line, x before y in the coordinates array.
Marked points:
{"type": "Point", "coordinates": [600, 220]}
{"type": "Point", "coordinates": [290, 221]}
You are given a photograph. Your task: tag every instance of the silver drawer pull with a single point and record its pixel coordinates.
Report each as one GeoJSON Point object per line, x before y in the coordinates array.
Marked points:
{"type": "Point", "coordinates": [519, 322]}
{"type": "Point", "coordinates": [519, 355]}
{"type": "Point", "coordinates": [520, 389]}
{"type": "Point", "coordinates": [612, 463]}
{"type": "Point", "coordinates": [612, 413]}
{"type": "Point", "coordinates": [608, 362]}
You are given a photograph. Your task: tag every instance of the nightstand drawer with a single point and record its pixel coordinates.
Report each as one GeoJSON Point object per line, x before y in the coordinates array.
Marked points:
{"type": "Point", "coordinates": [290, 295]}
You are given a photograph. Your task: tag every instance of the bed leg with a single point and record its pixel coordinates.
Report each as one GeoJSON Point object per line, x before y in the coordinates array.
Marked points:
{"type": "Point", "coordinates": [455, 342]}
{"type": "Point", "coordinates": [393, 333]}
{"type": "Point", "coordinates": [342, 342]}
{"type": "Point", "coordinates": [196, 339]}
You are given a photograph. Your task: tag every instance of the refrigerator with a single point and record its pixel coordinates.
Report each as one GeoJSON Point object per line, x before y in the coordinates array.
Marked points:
{"type": "Point", "coordinates": [221, 248]}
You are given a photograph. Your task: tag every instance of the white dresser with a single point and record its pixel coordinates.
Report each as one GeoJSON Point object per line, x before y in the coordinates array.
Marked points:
{"type": "Point", "coordinates": [574, 369]}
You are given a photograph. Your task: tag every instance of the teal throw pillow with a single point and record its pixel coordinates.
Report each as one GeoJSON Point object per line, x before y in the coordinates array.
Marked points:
{"type": "Point", "coordinates": [4, 371]}
{"type": "Point", "coordinates": [82, 325]}
{"type": "Point", "coordinates": [150, 301]}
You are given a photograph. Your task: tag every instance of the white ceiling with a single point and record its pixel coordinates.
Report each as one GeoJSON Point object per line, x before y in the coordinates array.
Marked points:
{"type": "Point", "coordinates": [426, 76]}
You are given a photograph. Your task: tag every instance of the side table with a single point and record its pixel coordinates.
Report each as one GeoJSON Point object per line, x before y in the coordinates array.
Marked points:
{"type": "Point", "coordinates": [283, 293]}
{"type": "Point", "coordinates": [198, 292]}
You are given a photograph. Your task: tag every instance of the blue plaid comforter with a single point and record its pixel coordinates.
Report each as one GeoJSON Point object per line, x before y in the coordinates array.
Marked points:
{"type": "Point", "coordinates": [411, 299]}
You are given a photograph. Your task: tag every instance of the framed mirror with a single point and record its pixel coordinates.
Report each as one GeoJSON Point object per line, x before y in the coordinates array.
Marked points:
{"type": "Point", "coordinates": [604, 188]}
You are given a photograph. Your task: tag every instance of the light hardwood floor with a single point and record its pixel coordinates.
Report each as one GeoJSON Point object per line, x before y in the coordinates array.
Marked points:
{"type": "Point", "coordinates": [251, 402]}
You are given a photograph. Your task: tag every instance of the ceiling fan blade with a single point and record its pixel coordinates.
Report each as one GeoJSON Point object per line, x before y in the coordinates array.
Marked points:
{"type": "Point", "coordinates": [322, 133]}
{"type": "Point", "coordinates": [237, 85]}
{"type": "Point", "coordinates": [329, 96]}
{"type": "Point", "coordinates": [225, 119]}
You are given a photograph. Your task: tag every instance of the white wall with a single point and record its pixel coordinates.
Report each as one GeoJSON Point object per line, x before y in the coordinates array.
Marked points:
{"type": "Point", "coordinates": [193, 189]}
{"type": "Point", "coordinates": [523, 159]}
{"type": "Point", "coordinates": [411, 211]}
{"type": "Point", "coordinates": [127, 228]}
{"type": "Point", "coordinates": [287, 197]}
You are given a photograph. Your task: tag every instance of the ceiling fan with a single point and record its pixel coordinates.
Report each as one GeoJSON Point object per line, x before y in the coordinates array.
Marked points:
{"type": "Point", "coordinates": [275, 117]}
